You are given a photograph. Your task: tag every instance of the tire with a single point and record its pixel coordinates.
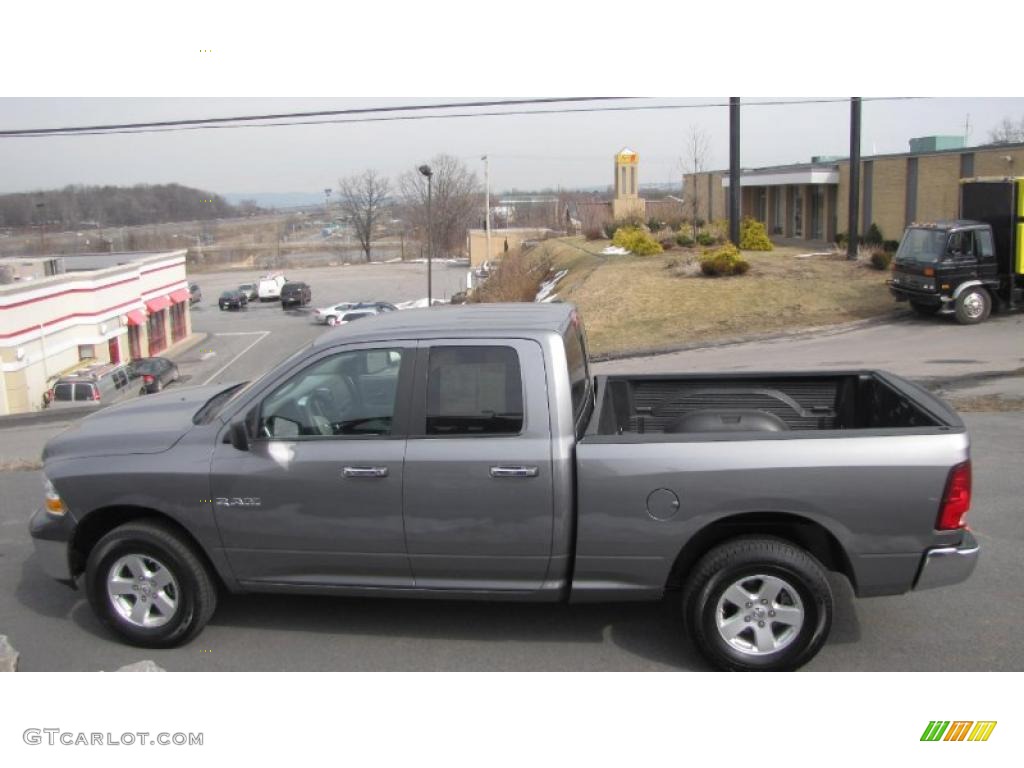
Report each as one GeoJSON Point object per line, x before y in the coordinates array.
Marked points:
{"type": "Point", "coordinates": [973, 306]}
{"type": "Point", "coordinates": [332, 320]}
{"type": "Point", "coordinates": [161, 551]}
{"type": "Point", "coordinates": [143, 391]}
{"type": "Point", "coordinates": [754, 566]}
{"type": "Point", "coordinates": [924, 310]}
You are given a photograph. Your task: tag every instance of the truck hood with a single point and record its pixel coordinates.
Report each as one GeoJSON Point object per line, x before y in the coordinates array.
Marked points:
{"type": "Point", "coordinates": [149, 424]}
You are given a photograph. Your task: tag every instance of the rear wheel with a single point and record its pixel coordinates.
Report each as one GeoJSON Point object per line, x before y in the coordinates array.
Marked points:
{"type": "Point", "coordinates": [973, 306]}
{"type": "Point", "coordinates": [758, 604]}
{"type": "Point", "coordinates": [925, 310]}
{"type": "Point", "coordinates": [149, 585]}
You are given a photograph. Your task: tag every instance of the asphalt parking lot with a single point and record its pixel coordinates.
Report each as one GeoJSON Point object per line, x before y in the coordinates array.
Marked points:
{"type": "Point", "coordinates": [965, 627]}
{"type": "Point", "coordinates": [242, 344]}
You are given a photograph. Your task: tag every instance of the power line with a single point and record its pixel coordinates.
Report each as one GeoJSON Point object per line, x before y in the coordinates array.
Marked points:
{"type": "Point", "coordinates": [210, 121]}
{"type": "Point", "coordinates": [218, 123]}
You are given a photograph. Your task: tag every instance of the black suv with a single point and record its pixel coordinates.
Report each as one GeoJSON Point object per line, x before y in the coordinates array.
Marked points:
{"type": "Point", "coordinates": [295, 295]}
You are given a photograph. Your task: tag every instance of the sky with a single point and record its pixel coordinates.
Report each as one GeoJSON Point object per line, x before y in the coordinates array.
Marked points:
{"type": "Point", "coordinates": [526, 152]}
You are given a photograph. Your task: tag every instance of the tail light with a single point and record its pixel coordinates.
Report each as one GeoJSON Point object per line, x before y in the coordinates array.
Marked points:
{"type": "Point", "coordinates": [95, 393]}
{"type": "Point", "coordinates": [956, 500]}
{"type": "Point", "coordinates": [147, 379]}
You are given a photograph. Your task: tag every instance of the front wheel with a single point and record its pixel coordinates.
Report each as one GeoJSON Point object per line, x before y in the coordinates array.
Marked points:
{"type": "Point", "coordinates": [758, 604]}
{"type": "Point", "coordinates": [149, 585]}
{"type": "Point", "coordinates": [973, 306]}
{"type": "Point", "coordinates": [332, 320]}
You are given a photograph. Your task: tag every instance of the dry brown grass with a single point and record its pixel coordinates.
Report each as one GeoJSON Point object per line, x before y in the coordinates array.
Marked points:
{"type": "Point", "coordinates": [989, 403]}
{"type": "Point", "coordinates": [634, 304]}
{"type": "Point", "coordinates": [515, 278]}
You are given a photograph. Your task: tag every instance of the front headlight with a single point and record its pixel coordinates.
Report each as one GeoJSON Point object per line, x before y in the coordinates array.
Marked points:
{"type": "Point", "coordinates": [52, 500]}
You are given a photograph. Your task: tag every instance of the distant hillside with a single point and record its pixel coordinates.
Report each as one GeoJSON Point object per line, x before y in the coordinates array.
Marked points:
{"type": "Point", "coordinates": [276, 199]}
{"type": "Point", "coordinates": [80, 206]}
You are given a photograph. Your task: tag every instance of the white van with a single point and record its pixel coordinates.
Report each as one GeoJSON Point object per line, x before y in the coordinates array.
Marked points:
{"type": "Point", "coordinates": [269, 288]}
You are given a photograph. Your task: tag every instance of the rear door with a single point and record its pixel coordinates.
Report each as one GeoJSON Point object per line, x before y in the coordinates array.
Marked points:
{"type": "Point", "coordinates": [478, 490]}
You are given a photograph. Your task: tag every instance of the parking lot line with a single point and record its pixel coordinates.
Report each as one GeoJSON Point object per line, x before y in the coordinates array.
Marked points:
{"type": "Point", "coordinates": [262, 336]}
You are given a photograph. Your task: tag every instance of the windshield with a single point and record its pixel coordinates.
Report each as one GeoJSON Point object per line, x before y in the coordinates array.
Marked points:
{"type": "Point", "coordinates": [923, 246]}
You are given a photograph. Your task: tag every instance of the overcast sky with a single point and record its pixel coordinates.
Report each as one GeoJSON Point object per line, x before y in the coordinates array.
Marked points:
{"type": "Point", "coordinates": [527, 152]}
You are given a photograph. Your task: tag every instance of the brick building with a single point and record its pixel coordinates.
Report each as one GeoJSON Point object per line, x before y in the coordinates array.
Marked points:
{"type": "Point", "coordinates": [59, 313]}
{"type": "Point", "coordinates": [810, 201]}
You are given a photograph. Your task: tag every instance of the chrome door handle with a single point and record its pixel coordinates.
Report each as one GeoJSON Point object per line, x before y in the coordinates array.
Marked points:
{"type": "Point", "coordinates": [365, 471]}
{"type": "Point", "coordinates": [513, 471]}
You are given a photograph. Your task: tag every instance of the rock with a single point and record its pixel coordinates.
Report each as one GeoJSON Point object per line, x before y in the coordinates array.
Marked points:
{"type": "Point", "coordinates": [8, 656]}
{"type": "Point", "coordinates": [142, 666]}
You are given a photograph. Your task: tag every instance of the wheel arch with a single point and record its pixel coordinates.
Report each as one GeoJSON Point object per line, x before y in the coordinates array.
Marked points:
{"type": "Point", "coordinates": [796, 529]}
{"type": "Point", "coordinates": [100, 522]}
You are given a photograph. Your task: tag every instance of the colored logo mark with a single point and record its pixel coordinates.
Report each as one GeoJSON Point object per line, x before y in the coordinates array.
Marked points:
{"type": "Point", "coordinates": [958, 730]}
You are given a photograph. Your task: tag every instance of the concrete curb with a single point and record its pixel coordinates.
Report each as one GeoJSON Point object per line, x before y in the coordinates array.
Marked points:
{"type": "Point", "coordinates": [821, 330]}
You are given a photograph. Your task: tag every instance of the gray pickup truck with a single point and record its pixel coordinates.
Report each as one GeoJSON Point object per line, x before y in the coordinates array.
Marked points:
{"type": "Point", "coordinates": [467, 452]}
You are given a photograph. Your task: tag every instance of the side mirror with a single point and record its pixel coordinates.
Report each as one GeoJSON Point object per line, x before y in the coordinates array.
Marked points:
{"type": "Point", "coordinates": [239, 434]}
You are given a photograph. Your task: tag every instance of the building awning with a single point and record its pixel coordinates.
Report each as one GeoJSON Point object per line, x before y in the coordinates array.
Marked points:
{"type": "Point", "coordinates": [136, 317]}
{"type": "Point", "coordinates": [180, 295]}
{"type": "Point", "coordinates": [158, 304]}
{"type": "Point", "coordinates": [780, 178]}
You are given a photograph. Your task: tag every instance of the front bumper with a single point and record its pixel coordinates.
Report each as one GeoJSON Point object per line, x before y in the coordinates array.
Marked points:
{"type": "Point", "coordinates": [51, 535]}
{"type": "Point", "coordinates": [948, 565]}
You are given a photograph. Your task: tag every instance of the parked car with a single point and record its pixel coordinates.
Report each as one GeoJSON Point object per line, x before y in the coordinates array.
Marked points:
{"type": "Point", "coordinates": [295, 294]}
{"type": "Point", "coordinates": [250, 291]}
{"type": "Point", "coordinates": [195, 294]}
{"type": "Point", "coordinates": [102, 383]}
{"type": "Point", "coordinates": [269, 287]}
{"type": "Point", "coordinates": [233, 300]}
{"type": "Point", "coordinates": [155, 373]}
{"type": "Point", "coordinates": [332, 315]}
{"type": "Point", "coordinates": [469, 453]}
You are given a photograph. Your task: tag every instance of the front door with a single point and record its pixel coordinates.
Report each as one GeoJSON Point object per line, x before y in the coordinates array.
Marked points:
{"type": "Point", "coordinates": [317, 499]}
{"type": "Point", "coordinates": [478, 485]}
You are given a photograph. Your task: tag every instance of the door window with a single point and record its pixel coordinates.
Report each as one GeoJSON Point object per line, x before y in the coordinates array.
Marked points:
{"type": "Point", "coordinates": [349, 394]}
{"type": "Point", "coordinates": [474, 391]}
{"type": "Point", "coordinates": [983, 244]}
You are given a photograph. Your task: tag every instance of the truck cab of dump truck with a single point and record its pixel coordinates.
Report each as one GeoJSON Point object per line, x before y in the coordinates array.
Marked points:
{"type": "Point", "coordinates": [969, 266]}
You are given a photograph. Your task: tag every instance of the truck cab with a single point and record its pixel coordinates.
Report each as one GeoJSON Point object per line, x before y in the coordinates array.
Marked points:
{"type": "Point", "coordinates": [969, 266]}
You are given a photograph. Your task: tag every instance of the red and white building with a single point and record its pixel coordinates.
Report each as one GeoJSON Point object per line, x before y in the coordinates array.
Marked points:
{"type": "Point", "coordinates": [50, 325]}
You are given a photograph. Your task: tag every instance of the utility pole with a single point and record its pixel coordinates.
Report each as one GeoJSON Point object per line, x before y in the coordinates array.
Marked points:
{"type": "Point", "coordinates": [487, 203]}
{"type": "Point", "coordinates": [854, 213]}
{"type": "Point", "coordinates": [734, 170]}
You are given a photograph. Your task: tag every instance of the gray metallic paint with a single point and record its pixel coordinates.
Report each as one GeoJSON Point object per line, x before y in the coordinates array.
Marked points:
{"type": "Point", "coordinates": [582, 521]}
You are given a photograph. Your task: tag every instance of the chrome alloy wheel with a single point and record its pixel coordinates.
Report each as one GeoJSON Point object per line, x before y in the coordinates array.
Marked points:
{"type": "Point", "coordinates": [759, 614]}
{"type": "Point", "coordinates": [143, 591]}
{"type": "Point", "coordinates": [974, 305]}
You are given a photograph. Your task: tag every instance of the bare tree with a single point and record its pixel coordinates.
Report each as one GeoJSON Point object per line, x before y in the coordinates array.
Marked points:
{"type": "Point", "coordinates": [456, 202]}
{"type": "Point", "coordinates": [362, 198]}
{"type": "Point", "coordinates": [696, 148]}
{"type": "Point", "coordinates": [1007, 132]}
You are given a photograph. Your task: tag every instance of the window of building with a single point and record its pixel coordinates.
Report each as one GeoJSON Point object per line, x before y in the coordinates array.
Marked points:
{"type": "Point", "coordinates": [777, 222]}
{"type": "Point", "coordinates": [798, 212]}
{"type": "Point", "coordinates": [178, 327]}
{"type": "Point", "coordinates": [474, 391]}
{"type": "Point", "coordinates": [818, 213]}
{"type": "Point", "coordinates": [346, 395]}
{"type": "Point", "coordinates": [155, 330]}
{"type": "Point", "coordinates": [86, 351]}
{"type": "Point", "coordinates": [966, 165]}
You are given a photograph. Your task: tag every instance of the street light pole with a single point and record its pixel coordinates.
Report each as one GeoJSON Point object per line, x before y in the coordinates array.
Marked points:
{"type": "Point", "coordinates": [487, 203]}
{"type": "Point", "coordinates": [426, 171]}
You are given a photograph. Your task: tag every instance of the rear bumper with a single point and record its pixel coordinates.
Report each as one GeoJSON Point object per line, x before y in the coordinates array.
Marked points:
{"type": "Point", "coordinates": [948, 565]}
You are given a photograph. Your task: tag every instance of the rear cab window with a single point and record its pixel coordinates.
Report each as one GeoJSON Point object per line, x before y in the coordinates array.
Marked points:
{"type": "Point", "coordinates": [579, 371]}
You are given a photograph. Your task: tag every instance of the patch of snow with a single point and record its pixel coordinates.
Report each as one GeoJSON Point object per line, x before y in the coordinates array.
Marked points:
{"type": "Point", "coordinates": [614, 250]}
